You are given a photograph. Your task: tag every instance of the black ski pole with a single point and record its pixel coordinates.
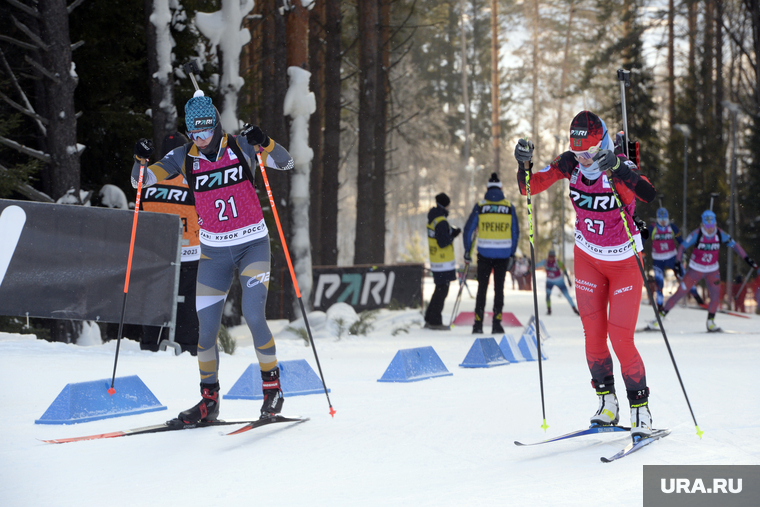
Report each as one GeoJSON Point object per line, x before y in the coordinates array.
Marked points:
{"type": "Point", "coordinates": [535, 293]}
{"type": "Point", "coordinates": [293, 277]}
{"type": "Point", "coordinates": [624, 77]}
{"type": "Point", "coordinates": [111, 390]}
{"type": "Point", "coordinates": [459, 294]}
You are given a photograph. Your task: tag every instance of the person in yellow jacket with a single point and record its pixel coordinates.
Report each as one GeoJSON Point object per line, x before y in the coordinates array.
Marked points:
{"type": "Point", "coordinates": [442, 261]}
{"type": "Point", "coordinates": [498, 231]}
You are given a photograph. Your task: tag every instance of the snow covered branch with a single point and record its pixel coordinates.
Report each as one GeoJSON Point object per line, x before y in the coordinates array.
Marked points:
{"type": "Point", "coordinates": [25, 150]}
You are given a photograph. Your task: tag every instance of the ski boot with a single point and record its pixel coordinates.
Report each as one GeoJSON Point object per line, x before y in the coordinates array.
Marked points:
{"type": "Point", "coordinates": [608, 412]}
{"type": "Point", "coordinates": [270, 386]}
{"type": "Point", "coordinates": [641, 421]}
{"type": "Point", "coordinates": [712, 327]}
{"type": "Point", "coordinates": [477, 327]}
{"type": "Point", "coordinates": [206, 410]}
{"type": "Point", "coordinates": [575, 309]}
{"type": "Point", "coordinates": [496, 326]}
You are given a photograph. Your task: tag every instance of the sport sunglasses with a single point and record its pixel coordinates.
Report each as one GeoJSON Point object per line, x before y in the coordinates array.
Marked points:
{"type": "Point", "coordinates": [200, 134]}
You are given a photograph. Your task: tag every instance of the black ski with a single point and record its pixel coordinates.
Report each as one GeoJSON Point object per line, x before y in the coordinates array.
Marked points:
{"type": "Point", "coordinates": [637, 444]}
{"type": "Point", "coordinates": [172, 425]}
{"type": "Point", "coordinates": [268, 420]}
{"type": "Point", "coordinates": [588, 431]}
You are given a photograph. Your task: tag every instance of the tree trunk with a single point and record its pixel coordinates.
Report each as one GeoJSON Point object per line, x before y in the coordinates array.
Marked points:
{"type": "Point", "coordinates": [331, 163]}
{"type": "Point", "coordinates": [316, 134]}
{"type": "Point", "coordinates": [299, 110]}
{"type": "Point", "coordinates": [273, 123]}
{"type": "Point", "coordinates": [369, 246]}
{"type": "Point", "coordinates": [63, 171]}
{"type": "Point", "coordinates": [495, 122]}
{"type": "Point", "coordinates": [671, 65]}
{"type": "Point", "coordinates": [164, 112]}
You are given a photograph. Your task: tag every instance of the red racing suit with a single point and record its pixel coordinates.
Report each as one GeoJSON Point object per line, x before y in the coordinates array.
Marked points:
{"type": "Point", "coordinates": [608, 282]}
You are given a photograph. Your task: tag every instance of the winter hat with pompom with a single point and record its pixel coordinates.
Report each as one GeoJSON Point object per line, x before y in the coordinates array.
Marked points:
{"type": "Point", "coordinates": [200, 113]}
{"type": "Point", "coordinates": [494, 181]}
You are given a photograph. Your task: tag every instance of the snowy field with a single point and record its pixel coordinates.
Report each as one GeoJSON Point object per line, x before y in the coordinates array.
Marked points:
{"type": "Point", "coordinates": [440, 442]}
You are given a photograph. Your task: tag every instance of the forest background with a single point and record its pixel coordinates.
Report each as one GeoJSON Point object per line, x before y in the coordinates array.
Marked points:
{"type": "Point", "coordinates": [392, 80]}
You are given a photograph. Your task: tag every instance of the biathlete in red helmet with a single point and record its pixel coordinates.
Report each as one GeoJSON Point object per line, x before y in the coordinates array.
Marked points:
{"type": "Point", "coordinates": [608, 282]}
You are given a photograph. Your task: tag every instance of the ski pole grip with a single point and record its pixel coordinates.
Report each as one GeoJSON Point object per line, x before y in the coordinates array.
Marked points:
{"type": "Point", "coordinates": [624, 76]}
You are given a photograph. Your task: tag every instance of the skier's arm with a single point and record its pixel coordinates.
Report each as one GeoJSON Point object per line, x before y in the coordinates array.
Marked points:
{"type": "Point", "coordinates": [560, 168]}
{"type": "Point", "coordinates": [443, 234]}
{"type": "Point", "coordinates": [253, 141]}
{"type": "Point", "coordinates": [731, 243]}
{"type": "Point", "coordinates": [167, 167]}
{"type": "Point", "coordinates": [626, 172]}
{"type": "Point", "coordinates": [469, 231]}
{"type": "Point", "coordinates": [676, 234]}
{"type": "Point", "coordinates": [689, 242]}
{"type": "Point", "coordinates": [515, 231]}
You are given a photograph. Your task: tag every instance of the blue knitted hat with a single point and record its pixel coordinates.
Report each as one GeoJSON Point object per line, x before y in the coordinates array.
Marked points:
{"type": "Point", "coordinates": [200, 113]}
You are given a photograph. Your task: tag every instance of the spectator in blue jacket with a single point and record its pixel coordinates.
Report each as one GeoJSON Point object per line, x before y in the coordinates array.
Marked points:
{"type": "Point", "coordinates": [494, 222]}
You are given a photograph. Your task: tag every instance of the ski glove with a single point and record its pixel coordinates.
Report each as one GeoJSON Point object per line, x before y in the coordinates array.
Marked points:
{"type": "Point", "coordinates": [523, 151]}
{"type": "Point", "coordinates": [677, 269]}
{"type": "Point", "coordinates": [455, 231]}
{"type": "Point", "coordinates": [254, 135]}
{"type": "Point", "coordinates": [467, 258]}
{"type": "Point", "coordinates": [749, 261]}
{"type": "Point", "coordinates": [607, 160]}
{"type": "Point", "coordinates": [642, 226]}
{"type": "Point", "coordinates": [144, 148]}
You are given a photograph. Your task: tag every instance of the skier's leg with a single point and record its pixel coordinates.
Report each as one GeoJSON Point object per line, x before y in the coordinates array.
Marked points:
{"type": "Point", "coordinates": [712, 280]}
{"type": "Point", "coordinates": [252, 260]}
{"type": "Point", "coordinates": [591, 291]}
{"type": "Point", "coordinates": [625, 301]}
{"type": "Point", "coordinates": [689, 279]}
{"type": "Point", "coordinates": [563, 289]}
{"type": "Point", "coordinates": [499, 275]}
{"type": "Point", "coordinates": [484, 273]}
{"type": "Point", "coordinates": [549, 287]}
{"type": "Point", "coordinates": [215, 272]}
{"type": "Point", "coordinates": [659, 280]}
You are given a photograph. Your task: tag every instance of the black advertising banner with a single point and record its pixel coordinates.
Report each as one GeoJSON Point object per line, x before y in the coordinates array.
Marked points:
{"type": "Point", "coordinates": [69, 262]}
{"type": "Point", "coordinates": [367, 287]}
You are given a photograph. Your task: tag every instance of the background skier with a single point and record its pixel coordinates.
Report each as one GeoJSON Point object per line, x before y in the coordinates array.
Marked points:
{"type": "Point", "coordinates": [703, 264]}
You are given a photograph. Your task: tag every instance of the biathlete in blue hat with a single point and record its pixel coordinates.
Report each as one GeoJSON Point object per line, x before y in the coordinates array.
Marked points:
{"type": "Point", "coordinates": [665, 241]}
{"type": "Point", "coordinates": [703, 264]}
{"type": "Point", "coordinates": [219, 170]}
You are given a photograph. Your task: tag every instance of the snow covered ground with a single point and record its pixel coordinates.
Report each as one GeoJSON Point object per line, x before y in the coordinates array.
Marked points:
{"type": "Point", "coordinates": [440, 442]}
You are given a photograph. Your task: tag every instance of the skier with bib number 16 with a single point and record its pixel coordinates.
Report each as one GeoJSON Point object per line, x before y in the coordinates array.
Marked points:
{"type": "Point", "coordinates": [607, 279]}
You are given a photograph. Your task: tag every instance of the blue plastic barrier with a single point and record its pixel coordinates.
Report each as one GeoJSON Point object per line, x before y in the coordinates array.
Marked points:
{"type": "Point", "coordinates": [297, 378]}
{"type": "Point", "coordinates": [411, 365]}
{"type": "Point", "coordinates": [527, 342]}
{"type": "Point", "coordinates": [89, 401]}
{"type": "Point", "coordinates": [484, 353]}
{"type": "Point", "coordinates": [510, 349]}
